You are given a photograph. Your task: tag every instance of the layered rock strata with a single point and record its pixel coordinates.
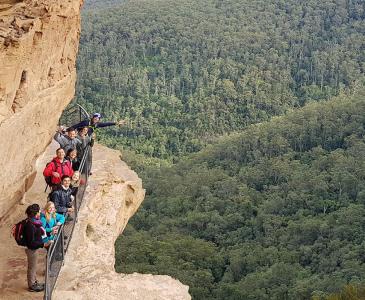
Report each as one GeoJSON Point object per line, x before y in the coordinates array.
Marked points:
{"type": "Point", "coordinates": [113, 196]}
{"type": "Point", "coordinates": [38, 45]}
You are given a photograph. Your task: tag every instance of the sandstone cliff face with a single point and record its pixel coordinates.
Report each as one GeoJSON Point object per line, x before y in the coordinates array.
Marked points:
{"type": "Point", "coordinates": [114, 194]}
{"type": "Point", "coordinates": [38, 45]}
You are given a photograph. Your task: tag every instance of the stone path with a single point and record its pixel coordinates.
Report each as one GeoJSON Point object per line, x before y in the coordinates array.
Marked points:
{"type": "Point", "coordinates": [13, 269]}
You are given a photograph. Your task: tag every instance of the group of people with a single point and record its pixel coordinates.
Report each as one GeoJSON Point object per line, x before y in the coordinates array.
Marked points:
{"type": "Point", "coordinates": [63, 177]}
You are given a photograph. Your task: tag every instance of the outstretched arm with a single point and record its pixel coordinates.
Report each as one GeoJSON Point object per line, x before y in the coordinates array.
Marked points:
{"type": "Point", "coordinates": [106, 124]}
{"type": "Point", "coordinates": [81, 124]}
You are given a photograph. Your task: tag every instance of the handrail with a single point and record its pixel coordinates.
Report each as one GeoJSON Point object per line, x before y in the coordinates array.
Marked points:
{"type": "Point", "coordinates": [83, 112]}
{"type": "Point", "coordinates": [56, 253]}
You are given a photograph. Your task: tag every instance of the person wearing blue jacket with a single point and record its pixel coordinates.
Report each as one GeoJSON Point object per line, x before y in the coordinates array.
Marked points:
{"type": "Point", "coordinates": [95, 123]}
{"type": "Point", "coordinates": [51, 221]}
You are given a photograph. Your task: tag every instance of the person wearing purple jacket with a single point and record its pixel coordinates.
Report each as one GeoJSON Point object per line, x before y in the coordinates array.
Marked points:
{"type": "Point", "coordinates": [33, 234]}
{"type": "Point", "coordinates": [95, 123]}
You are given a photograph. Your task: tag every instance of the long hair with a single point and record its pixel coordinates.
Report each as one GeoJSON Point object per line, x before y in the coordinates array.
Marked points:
{"type": "Point", "coordinates": [75, 183]}
{"type": "Point", "coordinates": [47, 213]}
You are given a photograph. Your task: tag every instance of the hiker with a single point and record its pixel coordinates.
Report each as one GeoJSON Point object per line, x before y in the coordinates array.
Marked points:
{"type": "Point", "coordinates": [57, 168]}
{"type": "Point", "coordinates": [33, 232]}
{"type": "Point", "coordinates": [85, 140]}
{"type": "Point", "coordinates": [71, 156]}
{"type": "Point", "coordinates": [51, 221]}
{"type": "Point", "coordinates": [62, 198]}
{"type": "Point", "coordinates": [75, 183]}
{"type": "Point", "coordinates": [95, 123]}
{"type": "Point", "coordinates": [67, 141]}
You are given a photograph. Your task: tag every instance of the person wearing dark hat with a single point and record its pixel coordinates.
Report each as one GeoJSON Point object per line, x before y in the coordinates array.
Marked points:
{"type": "Point", "coordinates": [94, 122]}
{"type": "Point", "coordinates": [34, 233]}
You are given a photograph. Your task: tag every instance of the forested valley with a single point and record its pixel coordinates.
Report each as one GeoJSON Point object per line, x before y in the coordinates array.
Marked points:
{"type": "Point", "coordinates": [246, 122]}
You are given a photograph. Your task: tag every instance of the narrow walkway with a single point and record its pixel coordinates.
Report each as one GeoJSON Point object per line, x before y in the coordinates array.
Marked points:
{"type": "Point", "coordinates": [13, 262]}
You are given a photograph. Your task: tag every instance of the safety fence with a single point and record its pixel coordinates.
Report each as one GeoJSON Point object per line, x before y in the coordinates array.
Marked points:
{"type": "Point", "coordinates": [56, 253]}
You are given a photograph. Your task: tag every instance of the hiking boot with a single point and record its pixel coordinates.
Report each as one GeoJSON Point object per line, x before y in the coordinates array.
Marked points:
{"type": "Point", "coordinates": [38, 283]}
{"type": "Point", "coordinates": [36, 287]}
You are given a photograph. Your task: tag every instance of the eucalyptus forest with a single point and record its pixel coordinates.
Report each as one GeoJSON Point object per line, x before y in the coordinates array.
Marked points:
{"type": "Point", "coordinates": [246, 123]}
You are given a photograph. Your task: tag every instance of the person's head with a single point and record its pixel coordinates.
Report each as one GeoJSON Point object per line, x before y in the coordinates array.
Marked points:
{"type": "Point", "coordinates": [76, 176]}
{"type": "Point", "coordinates": [71, 132]}
{"type": "Point", "coordinates": [33, 211]}
{"type": "Point", "coordinates": [60, 153]}
{"type": "Point", "coordinates": [49, 210]}
{"type": "Point", "coordinates": [95, 118]}
{"type": "Point", "coordinates": [72, 153]}
{"type": "Point", "coordinates": [66, 180]}
{"type": "Point", "coordinates": [84, 131]}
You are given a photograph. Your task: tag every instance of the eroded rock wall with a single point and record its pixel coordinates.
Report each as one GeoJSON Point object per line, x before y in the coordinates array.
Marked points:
{"type": "Point", "coordinates": [114, 194]}
{"type": "Point", "coordinates": [38, 46]}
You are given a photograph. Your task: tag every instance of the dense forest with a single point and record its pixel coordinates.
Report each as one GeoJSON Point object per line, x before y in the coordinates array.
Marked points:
{"type": "Point", "coordinates": [182, 72]}
{"type": "Point", "coordinates": [274, 212]}
{"type": "Point", "coordinates": [246, 122]}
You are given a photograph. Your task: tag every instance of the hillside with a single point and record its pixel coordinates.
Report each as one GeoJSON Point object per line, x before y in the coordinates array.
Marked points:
{"type": "Point", "coordinates": [274, 212]}
{"type": "Point", "coordinates": [183, 72]}
{"type": "Point", "coordinates": [245, 120]}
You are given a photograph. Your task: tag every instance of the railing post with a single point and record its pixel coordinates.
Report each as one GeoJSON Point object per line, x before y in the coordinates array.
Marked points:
{"type": "Point", "coordinates": [63, 244]}
{"type": "Point", "coordinates": [76, 207]}
{"type": "Point", "coordinates": [46, 288]}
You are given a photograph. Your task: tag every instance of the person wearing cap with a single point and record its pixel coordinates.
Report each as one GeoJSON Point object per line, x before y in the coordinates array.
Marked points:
{"type": "Point", "coordinates": [95, 123]}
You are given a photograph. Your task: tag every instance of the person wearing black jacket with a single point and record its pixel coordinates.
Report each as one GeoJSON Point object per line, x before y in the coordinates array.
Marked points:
{"type": "Point", "coordinates": [33, 232]}
{"type": "Point", "coordinates": [62, 198]}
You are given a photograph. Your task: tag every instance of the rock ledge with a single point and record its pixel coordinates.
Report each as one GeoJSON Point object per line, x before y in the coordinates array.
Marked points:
{"type": "Point", "coordinates": [114, 194]}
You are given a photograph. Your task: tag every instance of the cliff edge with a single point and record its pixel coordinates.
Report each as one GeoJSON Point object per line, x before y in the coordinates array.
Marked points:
{"type": "Point", "coordinates": [113, 195]}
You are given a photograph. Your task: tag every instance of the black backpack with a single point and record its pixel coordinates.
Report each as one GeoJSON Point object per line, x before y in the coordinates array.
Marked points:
{"type": "Point", "coordinates": [18, 232]}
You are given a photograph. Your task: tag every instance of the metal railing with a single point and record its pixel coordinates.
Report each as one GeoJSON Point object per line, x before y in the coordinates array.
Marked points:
{"type": "Point", "coordinates": [56, 253]}
{"type": "Point", "coordinates": [73, 114]}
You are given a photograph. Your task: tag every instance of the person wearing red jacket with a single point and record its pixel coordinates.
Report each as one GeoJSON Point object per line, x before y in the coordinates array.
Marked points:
{"type": "Point", "coordinates": [58, 167]}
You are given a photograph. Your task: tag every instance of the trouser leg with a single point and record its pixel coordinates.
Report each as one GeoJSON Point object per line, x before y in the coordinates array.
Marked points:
{"type": "Point", "coordinates": [32, 266]}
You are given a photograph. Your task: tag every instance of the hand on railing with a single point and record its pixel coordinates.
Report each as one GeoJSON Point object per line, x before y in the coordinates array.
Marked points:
{"type": "Point", "coordinates": [48, 244]}
{"type": "Point", "coordinates": [55, 230]}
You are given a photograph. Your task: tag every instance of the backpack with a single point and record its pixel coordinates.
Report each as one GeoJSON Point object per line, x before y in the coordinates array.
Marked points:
{"type": "Point", "coordinates": [48, 179]}
{"type": "Point", "coordinates": [18, 232]}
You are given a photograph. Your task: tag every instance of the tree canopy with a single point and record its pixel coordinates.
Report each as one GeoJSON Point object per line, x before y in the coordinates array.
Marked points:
{"type": "Point", "coordinates": [246, 122]}
{"type": "Point", "coordinates": [182, 72]}
{"type": "Point", "coordinates": [274, 212]}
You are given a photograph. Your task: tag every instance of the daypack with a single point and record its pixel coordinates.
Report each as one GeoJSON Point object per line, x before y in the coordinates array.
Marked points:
{"type": "Point", "coordinates": [48, 179]}
{"type": "Point", "coordinates": [18, 232]}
